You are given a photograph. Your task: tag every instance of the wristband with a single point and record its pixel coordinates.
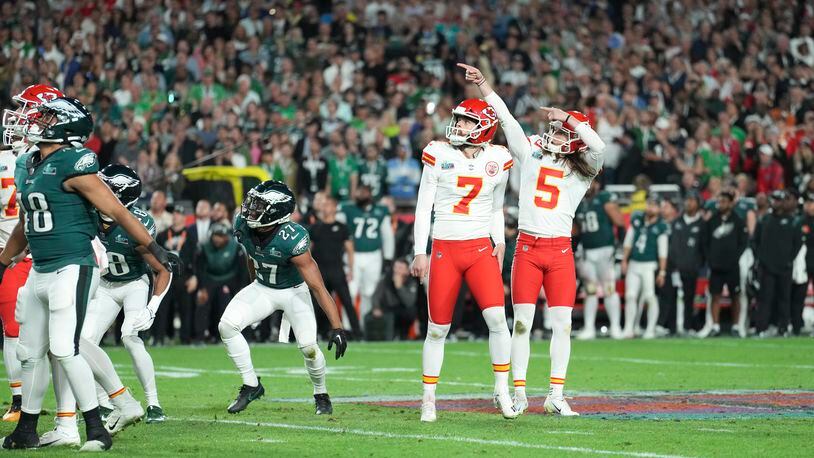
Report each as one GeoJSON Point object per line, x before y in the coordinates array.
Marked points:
{"type": "Point", "coordinates": [481, 82]}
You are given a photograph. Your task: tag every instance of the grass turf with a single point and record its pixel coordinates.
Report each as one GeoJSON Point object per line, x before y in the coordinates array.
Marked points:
{"type": "Point", "coordinates": [196, 385]}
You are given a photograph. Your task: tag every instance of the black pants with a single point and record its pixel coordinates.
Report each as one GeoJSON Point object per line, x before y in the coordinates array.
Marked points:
{"type": "Point", "coordinates": [668, 302]}
{"type": "Point", "coordinates": [774, 299]}
{"type": "Point", "coordinates": [207, 315]}
{"type": "Point", "coordinates": [668, 298]}
{"type": "Point", "coordinates": [336, 282]}
{"type": "Point", "coordinates": [798, 299]}
{"type": "Point", "coordinates": [177, 301]}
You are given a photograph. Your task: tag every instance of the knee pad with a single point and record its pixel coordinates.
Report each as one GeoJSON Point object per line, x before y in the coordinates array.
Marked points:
{"type": "Point", "coordinates": [495, 318]}
{"type": "Point", "coordinates": [311, 351]}
{"type": "Point", "coordinates": [132, 342]}
{"type": "Point", "coordinates": [523, 318]}
{"type": "Point", "coordinates": [610, 289]}
{"type": "Point", "coordinates": [561, 319]}
{"type": "Point", "coordinates": [590, 289]}
{"type": "Point", "coordinates": [227, 330]}
{"type": "Point", "coordinates": [437, 332]}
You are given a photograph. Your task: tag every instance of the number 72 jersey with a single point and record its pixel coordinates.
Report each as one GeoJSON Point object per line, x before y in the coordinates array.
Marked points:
{"type": "Point", "coordinates": [272, 258]}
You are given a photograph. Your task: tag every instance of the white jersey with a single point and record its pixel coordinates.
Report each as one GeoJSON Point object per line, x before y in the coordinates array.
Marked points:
{"type": "Point", "coordinates": [466, 194]}
{"type": "Point", "coordinates": [550, 191]}
{"type": "Point", "coordinates": [9, 211]}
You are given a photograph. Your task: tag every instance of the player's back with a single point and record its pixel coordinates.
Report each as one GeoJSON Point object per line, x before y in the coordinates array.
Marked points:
{"type": "Point", "coordinates": [465, 189]}
{"type": "Point", "coordinates": [125, 263]}
{"type": "Point", "coordinates": [272, 257]}
{"type": "Point", "coordinates": [550, 192]}
{"type": "Point", "coordinates": [596, 228]}
{"type": "Point", "coordinates": [645, 237]}
{"type": "Point", "coordinates": [365, 225]}
{"type": "Point", "coordinates": [9, 213]}
{"type": "Point", "coordinates": [59, 224]}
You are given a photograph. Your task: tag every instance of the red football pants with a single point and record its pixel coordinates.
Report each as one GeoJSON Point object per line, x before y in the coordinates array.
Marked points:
{"type": "Point", "coordinates": [455, 260]}
{"type": "Point", "coordinates": [547, 263]}
{"type": "Point", "coordinates": [13, 279]}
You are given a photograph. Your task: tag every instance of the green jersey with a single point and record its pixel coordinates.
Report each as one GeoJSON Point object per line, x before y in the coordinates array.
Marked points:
{"type": "Point", "coordinates": [340, 172]}
{"type": "Point", "coordinates": [59, 224]}
{"type": "Point", "coordinates": [272, 257]}
{"type": "Point", "coordinates": [374, 174]}
{"type": "Point", "coordinates": [125, 263]}
{"type": "Point", "coordinates": [742, 207]}
{"type": "Point", "coordinates": [645, 238]}
{"type": "Point", "coordinates": [596, 228]}
{"type": "Point", "coordinates": [220, 262]}
{"type": "Point", "coordinates": [366, 225]}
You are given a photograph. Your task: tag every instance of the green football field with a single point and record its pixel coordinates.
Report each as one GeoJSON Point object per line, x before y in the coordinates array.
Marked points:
{"type": "Point", "coordinates": [689, 398]}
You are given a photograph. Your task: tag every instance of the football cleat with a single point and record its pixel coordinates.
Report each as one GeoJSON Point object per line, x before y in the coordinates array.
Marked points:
{"type": "Point", "coordinates": [616, 333]}
{"type": "Point", "coordinates": [558, 406]}
{"type": "Point", "coordinates": [428, 411]}
{"type": "Point", "coordinates": [98, 440]}
{"type": "Point", "coordinates": [13, 413]}
{"type": "Point", "coordinates": [504, 404]}
{"type": "Point", "coordinates": [120, 418]}
{"type": "Point", "coordinates": [521, 403]}
{"type": "Point", "coordinates": [104, 412]}
{"type": "Point", "coordinates": [246, 395]}
{"type": "Point", "coordinates": [155, 414]}
{"type": "Point", "coordinates": [322, 402]}
{"type": "Point", "coordinates": [587, 334]}
{"type": "Point", "coordinates": [19, 439]}
{"type": "Point", "coordinates": [649, 335]}
{"type": "Point", "coordinates": [61, 437]}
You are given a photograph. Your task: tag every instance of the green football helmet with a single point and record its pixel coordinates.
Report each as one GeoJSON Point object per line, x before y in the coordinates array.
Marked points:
{"type": "Point", "coordinates": [268, 204]}
{"type": "Point", "coordinates": [62, 120]}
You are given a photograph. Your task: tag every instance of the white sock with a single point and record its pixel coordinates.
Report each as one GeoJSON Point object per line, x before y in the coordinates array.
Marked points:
{"type": "Point", "coordinates": [14, 370]}
{"type": "Point", "coordinates": [433, 355]}
{"type": "Point", "coordinates": [143, 364]}
{"type": "Point", "coordinates": [35, 381]}
{"type": "Point", "coordinates": [315, 364]}
{"type": "Point", "coordinates": [630, 314]}
{"type": "Point", "coordinates": [521, 347]}
{"type": "Point", "coordinates": [612, 307]}
{"type": "Point", "coordinates": [102, 368]}
{"type": "Point", "coordinates": [591, 306]}
{"type": "Point", "coordinates": [500, 345]}
{"type": "Point", "coordinates": [122, 398]}
{"type": "Point", "coordinates": [66, 421]}
{"type": "Point", "coordinates": [81, 379]}
{"type": "Point", "coordinates": [103, 397]}
{"type": "Point", "coordinates": [238, 349]}
{"type": "Point", "coordinates": [652, 313]}
{"type": "Point", "coordinates": [560, 349]}
{"type": "Point", "coordinates": [66, 402]}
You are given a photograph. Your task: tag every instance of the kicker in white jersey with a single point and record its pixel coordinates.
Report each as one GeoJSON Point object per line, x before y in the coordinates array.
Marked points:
{"type": "Point", "coordinates": [466, 192]}
{"type": "Point", "coordinates": [8, 196]}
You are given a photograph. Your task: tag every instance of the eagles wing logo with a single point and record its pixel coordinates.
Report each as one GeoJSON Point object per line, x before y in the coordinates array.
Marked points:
{"type": "Point", "coordinates": [274, 197]}
{"type": "Point", "coordinates": [85, 162]}
{"type": "Point", "coordinates": [122, 181]}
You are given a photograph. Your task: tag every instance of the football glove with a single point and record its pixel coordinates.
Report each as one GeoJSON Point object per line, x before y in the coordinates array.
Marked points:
{"type": "Point", "coordinates": [160, 254]}
{"type": "Point", "coordinates": [340, 338]}
{"type": "Point", "coordinates": [144, 320]}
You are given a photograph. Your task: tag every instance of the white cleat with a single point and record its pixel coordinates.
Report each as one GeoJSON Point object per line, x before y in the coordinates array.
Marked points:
{"type": "Point", "coordinates": [616, 333]}
{"type": "Point", "coordinates": [558, 406]}
{"type": "Point", "coordinates": [649, 335]}
{"type": "Point", "coordinates": [428, 411]}
{"type": "Point", "coordinates": [60, 437]}
{"type": "Point", "coordinates": [122, 418]}
{"type": "Point", "coordinates": [504, 404]}
{"type": "Point", "coordinates": [521, 403]}
{"type": "Point", "coordinates": [587, 334]}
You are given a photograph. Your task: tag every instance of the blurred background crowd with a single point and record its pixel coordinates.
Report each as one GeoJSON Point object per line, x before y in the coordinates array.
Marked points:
{"type": "Point", "coordinates": [333, 96]}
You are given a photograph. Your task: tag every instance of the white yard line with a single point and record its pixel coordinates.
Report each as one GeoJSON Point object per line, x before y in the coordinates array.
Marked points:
{"type": "Point", "coordinates": [440, 438]}
{"type": "Point", "coordinates": [716, 430]}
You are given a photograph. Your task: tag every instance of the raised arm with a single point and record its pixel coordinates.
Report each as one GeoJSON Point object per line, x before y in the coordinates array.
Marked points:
{"type": "Point", "coordinates": [516, 138]}
{"type": "Point", "coordinates": [596, 147]}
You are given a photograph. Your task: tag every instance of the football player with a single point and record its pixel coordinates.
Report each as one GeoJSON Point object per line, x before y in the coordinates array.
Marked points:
{"type": "Point", "coordinates": [373, 242]}
{"type": "Point", "coordinates": [13, 144]}
{"type": "Point", "coordinates": [283, 272]}
{"type": "Point", "coordinates": [645, 254]}
{"type": "Point", "coordinates": [59, 188]}
{"type": "Point", "coordinates": [126, 285]}
{"type": "Point", "coordinates": [556, 170]}
{"type": "Point", "coordinates": [597, 215]}
{"type": "Point", "coordinates": [464, 182]}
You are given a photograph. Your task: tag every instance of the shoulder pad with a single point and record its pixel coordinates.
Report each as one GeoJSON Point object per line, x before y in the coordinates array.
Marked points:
{"type": "Point", "coordinates": [80, 160]}
{"type": "Point", "coordinates": [432, 151]}
{"type": "Point", "coordinates": [536, 141]}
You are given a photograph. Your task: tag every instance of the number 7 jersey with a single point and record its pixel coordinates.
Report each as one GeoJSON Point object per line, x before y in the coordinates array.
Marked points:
{"type": "Point", "coordinates": [9, 213]}
{"type": "Point", "coordinates": [272, 257]}
{"type": "Point", "coordinates": [466, 194]}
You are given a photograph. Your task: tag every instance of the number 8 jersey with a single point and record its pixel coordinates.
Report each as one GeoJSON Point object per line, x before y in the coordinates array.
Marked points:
{"type": "Point", "coordinates": [272, 257]}
{"type": "Point", "coordinates": [466, 194]}
{"type": "Point", "coordinates": [59, 225]}
{"type": "Point", "coordinates": [124, 262]}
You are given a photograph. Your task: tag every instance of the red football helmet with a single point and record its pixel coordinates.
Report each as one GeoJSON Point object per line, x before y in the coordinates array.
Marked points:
{"type": "Point", "coordinates": [484, 116]}
{"type": "Point", "coordinates": [31, 97]}
{"type": "Point", "coordinates": [562, 140]}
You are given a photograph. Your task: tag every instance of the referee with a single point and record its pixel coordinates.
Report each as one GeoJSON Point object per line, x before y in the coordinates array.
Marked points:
{"type": "Point", "coordinates": [330, 241]}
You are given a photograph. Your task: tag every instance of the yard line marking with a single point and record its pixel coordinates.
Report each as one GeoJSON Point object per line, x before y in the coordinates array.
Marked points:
{"type": "Point", "coordinates": [267, 441]}
{"type": "Point", "coordinates": [460, 439]}
{"type": "Point", "coordinates": [716, 430]}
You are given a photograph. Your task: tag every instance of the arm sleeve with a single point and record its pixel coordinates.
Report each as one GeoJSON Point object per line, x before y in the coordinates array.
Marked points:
{"type": "Point", "coordinates": [388, 239]}
{"type": "Point", "coordinates": [496, 229]}
{"type": "Point", "coordinates": [628, 243]}
{"type": "Point", "coordinates": [663, 244]}
{"type": "Point", "coordinates": [423, 209]}
{"type": "Point", "coordinates": [596, 147]}
{"type": "Point", "coordinates": [519, 144]}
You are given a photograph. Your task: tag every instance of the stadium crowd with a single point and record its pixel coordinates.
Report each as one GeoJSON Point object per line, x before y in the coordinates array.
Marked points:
{"type": "Point", "coordinates": [337, 98]}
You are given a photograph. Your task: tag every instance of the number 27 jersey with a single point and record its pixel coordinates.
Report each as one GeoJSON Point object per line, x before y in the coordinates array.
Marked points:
{"type": "Point", "coordinates": [272, 258]}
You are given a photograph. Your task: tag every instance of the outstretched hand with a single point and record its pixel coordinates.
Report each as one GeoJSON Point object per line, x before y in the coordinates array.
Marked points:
{"type": "Point", "coordinates": [554, 114]}
{"type": "Point", "coordinates": [473, 74]}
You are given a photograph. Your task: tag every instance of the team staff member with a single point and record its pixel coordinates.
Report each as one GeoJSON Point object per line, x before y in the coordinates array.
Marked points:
{"type": "Point", "coordinates": [330, 240]}
{"type": "Point", "coordinates": [726, 238]}
{"type": "Point", "coordinates": [176, 240]}
{"type": "Point", "coordinates": [777, 241]}
{"type": "Point", "coordinates": [685, 256]}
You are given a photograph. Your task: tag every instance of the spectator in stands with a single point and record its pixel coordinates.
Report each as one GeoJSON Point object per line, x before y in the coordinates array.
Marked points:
{"type": "Point", "coordinates": [777, 240]}
{"type": "Point", "coordinates": [158, 210]}
{"type": "Point", "coordinates": [343, 173]}
{"type": "Point", "coordinates": [394, 305]}
{"type": "Point", "coordinates": [199, 230]}
{"type": "Point", "coordinates": [313, 172]}
{"type": "Point", "coordinates": [178, 301]}
{"type": "Point", "coordinates": [221, 214]}
{"type": "Point", "coordinates": [726, 238]}
{"type": "Point", "coordinates": [770, 172]}
{"type": "Point", "coordinates": [403, 175]}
